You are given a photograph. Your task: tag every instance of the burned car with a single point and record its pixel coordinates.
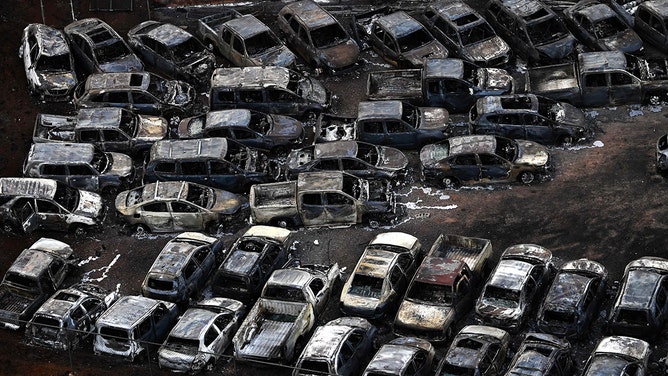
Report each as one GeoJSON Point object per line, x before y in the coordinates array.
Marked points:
{"type": "Point", "coordinates": [182, 267]}
{"type": "Point", "coordinates": [142, 92]}
{"type": "Point", "coordinates": [354, 157]}
{"type": "Point", "coordinates": [275, 90]}
{"type": "Point", "coordinates": [464, 31]}
{"type": "Point", "coordinates": [178, 206]}
{"type": "Point", "coordinates": [662, 154]}
{"type": "Point", "coordinates": [542, 354]}
{"type": "Point", "coordinates": [401, 40]}
{"type": "Point", "coordinates": [99, 48]}
{"type": "Point", "coordinates": [30, 203]}
{"type": "Point", "coordinates": [600, 28]}
{"type": "Point", "coordinates": [108, 128]}
{"type": "Point", "coordinates": [68, 317]}
{"type": "Point", "coordinates": [618, 355]}
{"type": "Point", "coordinates": [381, 275]}
{"type": "Point", "coordinates": [317, 36]}
{"type": "Point", "coordinates": [529, 117]}
{"type": "Point", "coordinates": [243, 39]}
{"type": "Point", "coordinates": [201, 335]}
{"type": "Point", "coordinates": [405, 356]}
{"type": "Point", "coordinates": [514, 286]}
{"type": "Point", "coordinates": [172, 50]}
{"type": "Point", "coordinates": [641, 305]}
{"type": "Point", "coordinates": [32, 278]}
{"type": "Point", "coordinates": [250, 261]}
{"type": "Point", "coordinates": [533, 29]}
{"type": "Point", "coordinates": [48, 62]}
{"type": "Point", "coordinates": [572, 302]}
{"type": "Point", "coordinates": [215, 161]}
{"type": "Point", "coordinates": [79, 165]}
{"type": "Point", "coordinates": [476, 350]}
{"type": "Point", "coordinates": [131, 324]}
{"type": "Point", "coordinates": [276, 133]}
{"type": "Point", "coordinates": [484, 159]}
{"type": "Point", "coordinates": [651, 22]}
{"type": "Point", "coordinates": [339, 348]}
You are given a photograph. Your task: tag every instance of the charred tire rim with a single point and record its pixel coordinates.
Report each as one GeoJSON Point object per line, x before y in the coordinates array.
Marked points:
{"type": "Point", "coordinates": [274, 170]}
{"type": "Point", "coordinates": [527, 177]}
{"type": "Point", "coordinates": [450, 182]}
{"type": "Point", "coordinates": [79, 231]}
{"type": "Point", "coordinates": [141, 230]}
{"type": "Point", "coordinates": [567, 141]}
{"type": "Point", "coordinates": [283, 222]}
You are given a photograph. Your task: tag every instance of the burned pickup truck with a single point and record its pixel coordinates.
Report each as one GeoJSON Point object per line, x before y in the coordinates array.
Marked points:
{"type": "Point", "coordinates": [329, 198]}
{"type": "Point", "coordinates": [285, 313]}
{"type": "Point", "coordinates": [451, 83]}
{"type": "Point", "coordinates": [443, 287]}
{"type": "Point", "coordinates": [600, 79]}
{"type": "Point", "coordinates": [35, 274]}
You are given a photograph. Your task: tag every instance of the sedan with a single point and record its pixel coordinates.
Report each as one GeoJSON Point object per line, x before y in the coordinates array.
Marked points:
{"type": "Point", "coordinates": [177, 206]}
{"type": "Point", "coordinates": [354, 157]}
{"type": "Point", "coordinates": [618, 355]}
{"type": "Point", "coordinates": [542, 354]}
{"type": "Point", "coordinates": [484, 159]}
{"type": "Point", "coordinates": [173, 50]}
{"type": "Point", "coordinates": [405, 356]}
{"type": "Point", "coordinates": [476, 350]}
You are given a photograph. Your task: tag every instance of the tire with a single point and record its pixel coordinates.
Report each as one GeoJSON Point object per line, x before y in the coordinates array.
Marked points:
{"type": "Point", "coordinates": [527, 177]}
{"type": "Point", "coordinates": [450, 182]}
{"type": "Point", "coordinates": [212, 227]}
{"type": "Point", "coordinates": [79, 231]}
{"type": "Point", "coordinates": [566, 141]}
{"type": "Point", "coordinates": [282, 222]}
{"type": "Point", "coordinates": [142, 230]}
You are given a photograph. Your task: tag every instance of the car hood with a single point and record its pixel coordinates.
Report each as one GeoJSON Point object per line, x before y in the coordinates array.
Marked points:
{"type": "Point", "coordinates": [280, 56]}
{"type": "Point", "coordinates": [558, 49]}
{"type": "Point", "coordinates": [121, 165]}
{"type": "Point", "coordinates": [57, 80]}
{"type": "Point", "coordinates": [626, 41]}
{"type": "Point", "coordinates": [431, 154]}
{"type": "Point", "coordinates": [90, 205]}
{"type": "Point", "coordinates": [568, 114]}
{"type": "Point", "coordinates": [391, 158]}
{"type": "Point", "coordinates": [495, 80]}
{"type": "Point", "coordinates": [340, 56]}
{"type": "Point", "coordinates": [423, 316]}
{"type": "Point", "coordinates": [285, 127]}
{"type": "Point", "coordinates": [179, 93]}
{"type": "Point", "coordinates": [361, 304]}
{"type": "Point", "coordinates": [434, 118]}
{"type": "Point", "coordinates": [531, 153]}
{"type": "Point", "coordinates": [432, 49]}
{"type": "Point", "coordinates": [487, 50]}
{"type": "Point", "coordinates": [227, 202]}
{"type": "Point", "coordinates": [127, 63]}
{"type": "Point", "coordinates": [151, 128]}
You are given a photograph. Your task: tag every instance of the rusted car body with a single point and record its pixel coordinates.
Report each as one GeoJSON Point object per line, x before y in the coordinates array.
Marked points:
{"type": "Point", "coordinates": [354, 157]}
{"type": "Point", "coordinates": [201, 335]}
{"type": "Point", "coordinates": [651, 22]}
{"type": "Point", "coordinates": [131, 323]}
{"type": "Point", "coordinates": [402, 357]}
{"type": "Point", "coordinates": [48, 62]}
{"type": "Point", "coordinates": [244, 40]}
{"type": "Point", "coordinates": [214, 161]}
{"type": "Point", "coordinates": [68, 317]}
{"type": "Point", "coordinates": [182, 267]}
{"type": "Point", "coordinates": [572, 302]}
{"type": "Point", "coordinates": [618, 355]}
{"type": "Point", "coordinates": [32, 278]}
{"type": "Point", "coordinates": [529, 117]}
{"type": "Point", "coordinates": [533, 29]}
{"type": "Point", "coordinates": [641, 305]}
{"type": "Point", "coordinates": [275, 90]}
{"type": "Point", "coordinates": [99, 48]}
{"type": "Point", "coordinates": [542, 354]}
{"type": "Point", "coordinates": [141, 92]}
{"type": "Point", "coordinates": [250, 261]}
{"type": "Point", "coordinates": [30, 203]}
{"type": "Point", "coordinates": [381, 275]}
{"type": "Point", "coordinates": [466, 33]}
{"type": "Point", "coordinates": [108, 128]}
{"type": "Point", "coordinates": [178, 206]}
{"type": "Point", "coordinates": [600, 28]}
{"type": "Point", "coordinates": [476, 350]}
{"type": "Point", "coordinates": [400, 39]}
{"type": "Point", "coordinates": [339, 348]}
{"type": "Point", "coordinates": [483, 159]}
{"type": "Point", "coordinates": [275, 133]}
{"type": "Point", "coordinates": [514, 286]}
{"type": "Point", "coordinates": [173, 50]}
{"type": "Point", "coordinates": [79, 165]}
{"type": "Point", "coordinates": [661, 154]}
{"type": "Point", "coordinates": [324, 198]}
{"type": "Point", "coordinates": [318, 37]}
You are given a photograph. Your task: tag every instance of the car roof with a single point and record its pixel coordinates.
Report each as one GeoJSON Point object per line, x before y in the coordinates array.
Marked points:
{"type": "Point", "coordinates": [399, 24]}
{"type": "Point", "coordinates": [524, 8]}
{"type": "Point", "coordinates": [31, 262]}
{"type": "Point", "coordinates": [95, 30]}
{"type": "Point", "coordinates": [212, 147]}
{"type": "Point", "coordinates": [192, 323]}
{"type": "Point", "coordinates": [510, 274]}
{"type": "Point", "coordinates": [392, 358]}
{"type": "Point", "coordinates": [639, 288]}
{"type": "Point", "coordinates": [321, 180]}
{"type": "Point", "coordinates": [335, 149]}
{"type": "Point", "coordinates": [628, 346]}
{"type": "Point", "coordinates": [101, 117]}
{"type": "Point", "coordinates": [128, 310]}
{"type": "Point", "coordinates": [168, 34]}
{"type": "Point", "coordinates": [173, 257]}
{"type": "Point", "coordinates": [453, 10]}
{"type": "Point", "coordinates": [566, 292]}
{"type": "Point", "coordinates": [57, 44]}
{"type": "Point", "coordinates": [165, 190]}
{"type": "Point", "coordinates": [472, 144]}
{"type": "Point", "coordinates": [601, 60]}
{"type": "Point", "coordinates": [228, 118]}
{"type": "Point", "coordinates": [123, 80]}
{"type": "Point", "coordinates": [290, 277]}
{"type": "Point", "coordinates": [597, 12]}
{"type": "Point", "coordinates": [36, 187]}
{"type": "Point", "coordinates": [439, 271]}
{"type": "Point", "coordinates": [272, 232]}
{"type": "Point", "coordinates": [62, 302]}
{"type": "Point", "coordinates": [247, 26]}
{"type": "Point", "coordinates": [444, 67]}
{"type": "Point", "coordinates": [494, 104]}
{"type": "Point", "coordinates": [376, 262]}
{"type": "Point", "coordinates": [379, 109]}
{"type": "Point", "coordinates": [395, 238]}
{"type": "Point", "coordinates": [253, 77]}
{"type": "Point", "coordinates": [658, 6]}
{"type": "Point", "coordinates": [67, 153]}
{"type": "Point", "coordinates": [310, 14]}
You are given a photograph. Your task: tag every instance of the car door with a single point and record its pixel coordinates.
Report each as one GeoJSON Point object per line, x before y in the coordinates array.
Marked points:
{"type": "Point", "coordinates": [155, 215]}
{"type": "Point", "coordinates": [225, 175]}
{"type": "Point", "coordinates": [248, 138]}
{"type": "Point", "coordinates": [51, 216]}
{"type": "Point", "coordinates": [510, 125]}
{"type": "Point", "coordinates": [457, 95]}
{"type": "Point", "coordinates": [206, 260]}
{"type": "Point", "coordinates": [30, 51]}
{"type": "Point", "coordinates": [24, 213]}
{"type": "Point", "coordinates": [356, 167]}
{"type": "Point", "coordinates": [162, 322]}
{"type": "Point", "coordinates": [340, 208]}
{"type": "Point", "coordinates": [493, 168]}
{"type": "Point", "coordinates": [464, 167]}
{"type": "Point", "coordinates": [624, 87]}
{"type": "Point", "coordinates": [313, 209]}
{"type": "Point", "coordinates": [238, 51]}
{"type": "Point", "coordinates": [419, 364]}
{"type": "Point", "coordinates": [144, 103]}
{"type": "Point", "coordinates": [147, 49]}
{"type": "Point", "coordinates": [83, 176]}
{"type": "Point", "coordinates": [115, 140]}
{"type": "Point", "coordinates": [192, 273]}
{"type": "Point", "coordinates": [320, 291]}
{"type": "Point", "coordinates": [187, 217]}
{"type": "Point", "coordinates": [400, 134]}
{"type": "Point", "coordinates": [595, 90]}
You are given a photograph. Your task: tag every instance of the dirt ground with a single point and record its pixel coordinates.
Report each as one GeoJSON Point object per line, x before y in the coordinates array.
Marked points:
{"type": "Point", "coordinates": [605, 202]}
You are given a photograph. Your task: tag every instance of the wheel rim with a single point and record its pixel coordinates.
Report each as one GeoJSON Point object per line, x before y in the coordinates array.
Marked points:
{"type": "Point", "coordinates": [449, 182]}
{"type": "Point", "coordinates": [527, 177]}
{"type": "Point", "coordinates": [567, 141]}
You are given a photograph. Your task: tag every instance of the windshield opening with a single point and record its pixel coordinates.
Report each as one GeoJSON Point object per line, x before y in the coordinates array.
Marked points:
{"type": "Point", "coordinates": [506, 148]}
{"type": "Point", "coordinates": [430, 293]}
{"type": "Point", "coordinates": [259, 122]}
{"type": "Point", "coordinates": [546, 31]}
{"type": "Point", "coordinates": [476, 34]}
{"type": "Point", "coordinates": [284, 293]}
{"type": "Point", "coordinates": [609, 27]}
{"type": "Point", "coordinates": [101, 161]}
{"type": "Point", "coordinates": [502, 297]}
{"type": "Point", "coordinates": [367, 153]}
{"type": "Point", "coordinates": [189, 47]}
{"type": "Point", "coordinates": [410, 114]}
{"type": "Point", "coordinates": [200, 195]}
{"type": "Point", "coordinates": [66, 196]}
{"type": "Point", "coordinates": [111, 52]}
{"type": "Point", "coordinates": [259, 43]}
{"type": "Point", "coordinates": [58, 63]}
{"type": "Point", "coordinates": [329, 35]}
{"type": "Point", "coordinates": [414, 40]}
{"type": "Point", "coordinates": [129, 123]}
{"type": "Point", "coordinates": [21, 281]}
{"type": "Point", "coordinates": [367, 286]}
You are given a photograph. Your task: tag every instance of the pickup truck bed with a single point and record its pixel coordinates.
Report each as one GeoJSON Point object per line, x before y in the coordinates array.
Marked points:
{"type": "Point", "coordinates": [54, 128]}
{"type": "Point", "coordinates": [402, 84]}
{"type": "Point", "coordinates": [475, 252]}
{"type": "Point", "coordinates": [279, 195]}
{"type": "Point", "coordinates": [551, 78]}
